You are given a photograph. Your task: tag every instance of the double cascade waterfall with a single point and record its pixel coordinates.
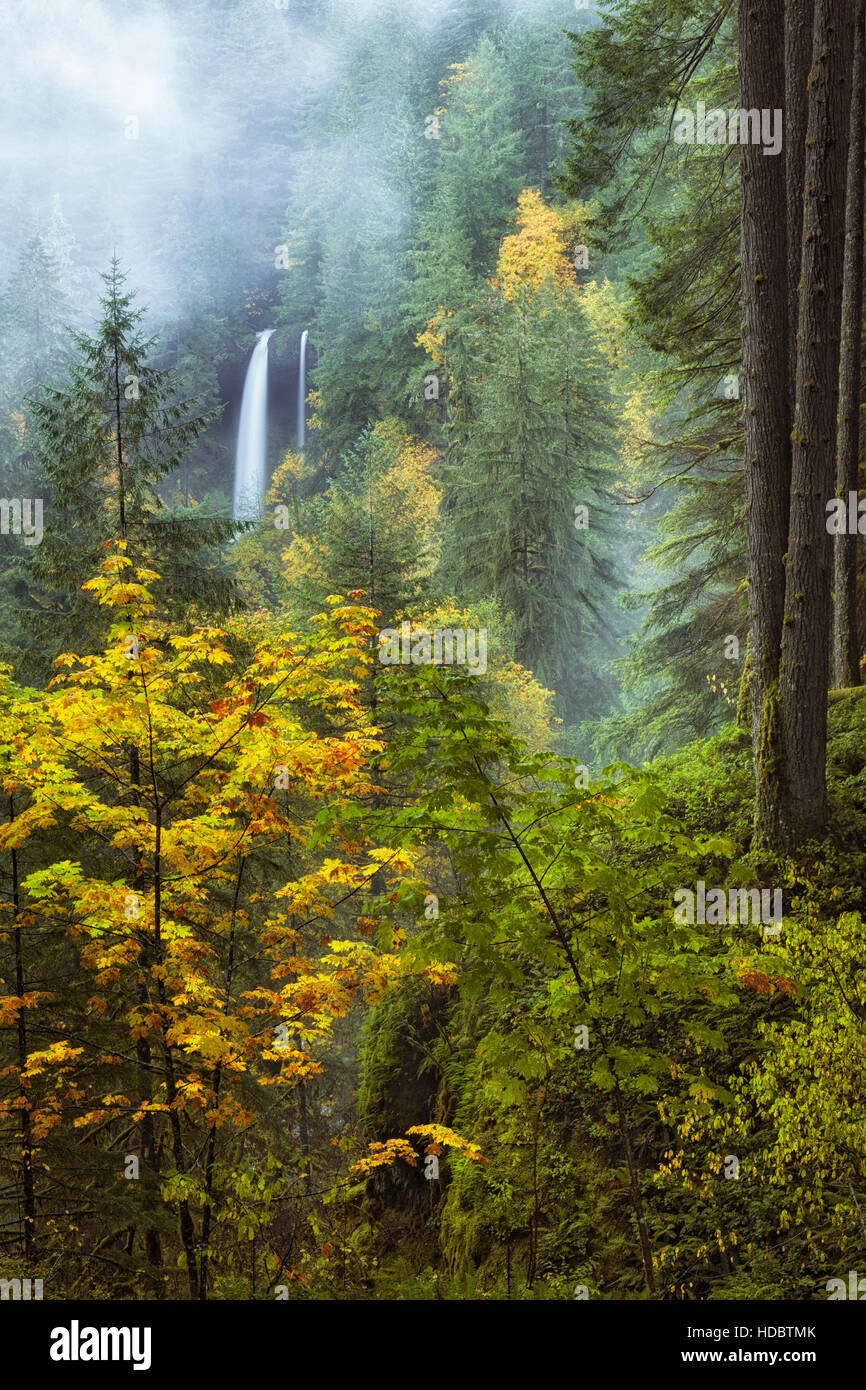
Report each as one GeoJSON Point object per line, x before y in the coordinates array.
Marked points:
{"type": "Point", "coordinates": [250, 482]}
{"type": "Point", "coordinates": [302, 393]}
{"type": "Point", "coordinates": [250, 461]}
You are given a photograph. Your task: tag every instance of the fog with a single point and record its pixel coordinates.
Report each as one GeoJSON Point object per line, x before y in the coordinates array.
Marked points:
{"type": "Point", "coordinates": [252, 164]}
{"type": "Point", "coordinates": [137, 124]}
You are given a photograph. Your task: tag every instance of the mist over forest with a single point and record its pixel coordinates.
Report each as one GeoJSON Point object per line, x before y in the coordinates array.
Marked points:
{"type": "Point", "coordinates": [430, 651]}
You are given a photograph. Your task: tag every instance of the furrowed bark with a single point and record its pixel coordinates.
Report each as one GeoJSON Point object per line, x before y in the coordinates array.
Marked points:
{"type": "Point", "coordinates": [765, 288]}
{"type": "Point", "coordinates": [846, 638]}
{"type": "Point", "coordinates": [808, 612]}
{"type": "Point", "coordinates": [799, 18]}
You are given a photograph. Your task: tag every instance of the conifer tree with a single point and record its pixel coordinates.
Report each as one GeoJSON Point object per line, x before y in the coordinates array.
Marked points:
{"type": "Point", "coordinates": [671, 212]}
{"type": "Point", "coordinates": [34, 314]}
{"type": "Point", "coordinates": [476, 181]}
{"type": "Point", "coordinates": [374, 529]}
{"type": "Point", "coordinates": [529, 480]}
{"type": "Point", "coordinates": [107, 438]}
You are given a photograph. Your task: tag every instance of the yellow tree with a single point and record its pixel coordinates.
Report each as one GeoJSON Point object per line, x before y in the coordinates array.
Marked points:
{"type": "Point", "coordinates": [196, 906]}
{"type": "Point", "coordinates": [537, 250]}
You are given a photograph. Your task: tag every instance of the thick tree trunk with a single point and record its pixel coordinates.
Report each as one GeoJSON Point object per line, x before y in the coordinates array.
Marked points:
{"type": "Point", "coordinates": [799, 18]}
{"type": "Point", "coordinates": [764, 279]}
{"type": "Point", "coordinates": [808, 613]}
{"type": "Point", "coordinates": [846, 639]}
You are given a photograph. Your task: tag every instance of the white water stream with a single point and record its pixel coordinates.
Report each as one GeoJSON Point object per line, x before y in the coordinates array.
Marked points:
{"type": "Point", "coordinates": [302, 393]}
{"type": "Point", "coordinates": [250, 480]}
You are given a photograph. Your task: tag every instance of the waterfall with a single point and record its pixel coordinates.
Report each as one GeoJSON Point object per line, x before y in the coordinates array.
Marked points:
{"type": "Point", "coordinates": [302, 392]}
{"type": "Point", "coordinates": [250, 480]}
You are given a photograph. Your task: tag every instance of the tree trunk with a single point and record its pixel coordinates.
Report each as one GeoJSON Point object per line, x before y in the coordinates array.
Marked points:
{"type": "Point", "coordinates": [846, 639]}
{"type": "Point", "coordinates": [184, 1215]}
{"type": "Point", "coordinates": [121, 482]}
{"type": "Point", "coordinates": [304, 1128]}
{"type": "Point", "coordinates": [216, 1081]}
{"type": "Point", "coordinates": [764, 281]}
{"type": "Point", "coordinates": [636, 1198]}
{"type": "Point", "coordinates": [806, 632]}
{"type": "Point", "coordinates": [799, 18]}
{"type": "Point", "coordinates": [151, 1199]}
{"type": "Point", "coordinates": [21, 1028]}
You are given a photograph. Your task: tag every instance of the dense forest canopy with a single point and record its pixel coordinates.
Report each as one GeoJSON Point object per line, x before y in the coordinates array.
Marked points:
{"type": "Point", "coordinates": [440, 874]}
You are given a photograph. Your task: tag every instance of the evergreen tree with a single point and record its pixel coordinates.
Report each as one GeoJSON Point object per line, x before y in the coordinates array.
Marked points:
{"type": "Point", "coordinates": [807, 558]}
{"type": "Point", "coordinates": [375, 528]}
{"type": "Point", "coordinates": [33, 350]}
{"type": "Point", "coordinates": [530, 478]}
{"type": "Point", "coordinates": [107, 438]}
{"type": "Point", "coordinates": [477, 179]}
{"type": "Point", "coordinates": [34, 315]}
{"type": "Point", "coordinates": [671, 211]}
{"type": "Point", "coordinates": [540, 64]}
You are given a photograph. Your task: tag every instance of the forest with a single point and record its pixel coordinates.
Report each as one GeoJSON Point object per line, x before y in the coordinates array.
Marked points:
{"type": "Point", "coordinates": [432, 614]}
